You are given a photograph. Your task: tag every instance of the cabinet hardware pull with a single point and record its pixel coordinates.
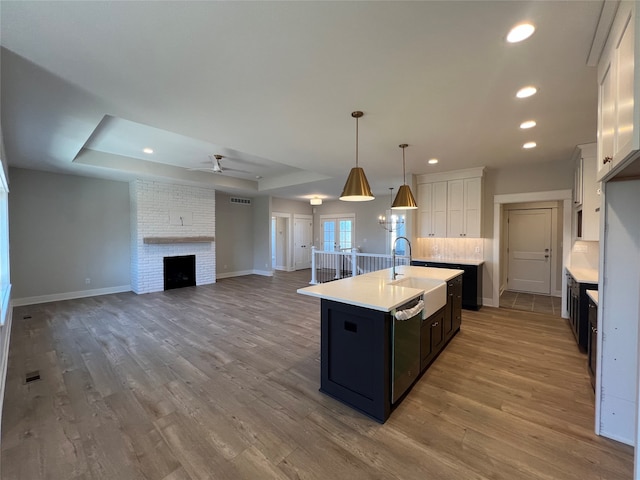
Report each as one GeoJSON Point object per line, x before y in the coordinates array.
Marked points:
{"type": "Point", "coordinates": [606, 160]}
{"type": "Point", "coordinates": [434, 324]}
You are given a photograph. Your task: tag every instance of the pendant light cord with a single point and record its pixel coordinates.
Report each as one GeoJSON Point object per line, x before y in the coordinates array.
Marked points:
{"type": "Point", "coordinates": [404, 176]}
{"type": "Point", "coordinates": [356, 142]}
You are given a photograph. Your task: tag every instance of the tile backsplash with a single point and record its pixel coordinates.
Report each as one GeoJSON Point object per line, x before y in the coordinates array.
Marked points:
{"type": "Point", "coordinates": [585, 254]}
{"type": "Point", "coordinates": [450, 248]}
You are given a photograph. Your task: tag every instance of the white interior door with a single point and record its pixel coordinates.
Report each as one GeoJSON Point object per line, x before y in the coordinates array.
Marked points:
{"type": "Point", "coordinates": [302, 241]}
{"type": "Point", "coordinates": [529, 250]}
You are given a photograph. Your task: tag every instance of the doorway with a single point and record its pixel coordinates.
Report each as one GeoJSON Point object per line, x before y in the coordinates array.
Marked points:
{"type": "Point", "coordinates": [302, 240]}
{"type": "Point", "coordinates": [337, 232]}
{"type": "Point", "coordinates": [281, 241]}
{"type": "Point", "coordinates": [529, 250]}
{"type": "Point", "coordinates": [561, 198]}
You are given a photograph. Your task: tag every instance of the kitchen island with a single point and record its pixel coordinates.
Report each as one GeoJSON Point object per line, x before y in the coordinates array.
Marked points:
{"type": "Point", "coordinates": [370, 359]}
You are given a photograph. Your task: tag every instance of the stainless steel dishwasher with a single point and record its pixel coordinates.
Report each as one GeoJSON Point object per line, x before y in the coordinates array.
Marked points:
{"type": "Point", "coordinates": [405, 341]}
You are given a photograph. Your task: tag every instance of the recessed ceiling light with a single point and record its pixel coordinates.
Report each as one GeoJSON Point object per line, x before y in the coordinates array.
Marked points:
{"type": "Point", "coordinates": [529, 145]}
{"type": "Point", "coordinates": [526, 91]}
{"type": "Point", "coordinates": [147, 150]}
{"type": "Point", "coordinates": [433, 161]}
{"type": "Point", "coordinates": [528, 124]}
{"type": "Point", "coordinates": [520, 32]}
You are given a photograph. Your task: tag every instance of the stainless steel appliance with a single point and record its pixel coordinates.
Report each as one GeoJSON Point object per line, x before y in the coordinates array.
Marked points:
{"type": "Point", "coordinates": [405, 356]}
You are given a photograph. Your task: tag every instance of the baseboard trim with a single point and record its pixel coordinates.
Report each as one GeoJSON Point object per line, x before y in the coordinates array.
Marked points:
{"type": "Point", "coordinates": [241, 273]}
{"type": "Point", "coordinates": [56, 297]}
{"type": "Point", "coordinates": [488, 302]}
{"type": "Point", "coordinates": [264, 273]}
{"type": "Point", "coordinates": [5, 335]}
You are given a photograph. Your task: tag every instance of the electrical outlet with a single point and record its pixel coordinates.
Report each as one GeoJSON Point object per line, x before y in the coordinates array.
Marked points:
{"type": "Point", "coordinates": [477, 249]}
{"type": "Point", "coordinates": [87, 281]}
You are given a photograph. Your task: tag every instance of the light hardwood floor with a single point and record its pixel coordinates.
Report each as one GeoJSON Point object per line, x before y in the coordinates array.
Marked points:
{"type": "Point", "coordinates": [221, 382]}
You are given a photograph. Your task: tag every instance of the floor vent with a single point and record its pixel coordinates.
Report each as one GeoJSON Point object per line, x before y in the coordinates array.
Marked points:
{"type": "Point", "coordinates": [240, 201]}
{"type": "Point", "coordinates": [32, 376]}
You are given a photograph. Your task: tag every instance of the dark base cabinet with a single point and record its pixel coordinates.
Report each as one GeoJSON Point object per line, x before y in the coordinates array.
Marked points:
{"type": "Point", "coordinates": [431, 338]}
{"type": "Point", "coordinates": [356, 351]}
{"type": "Point", "coordinates": [578, 306]}
{"type": "Point", "coordinates": [356, 357]}
{"type": "Point", "coordinates": [471, 281]}
{"type": "Point", "coordinates": [592, 344]}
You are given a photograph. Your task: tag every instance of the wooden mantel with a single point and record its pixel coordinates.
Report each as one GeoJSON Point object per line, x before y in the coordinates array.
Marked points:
{"type": "Point", "coordinates": [167, 240]}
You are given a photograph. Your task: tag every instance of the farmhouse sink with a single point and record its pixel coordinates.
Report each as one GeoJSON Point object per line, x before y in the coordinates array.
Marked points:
{"type": "Point", "coordinates": [435, 292]}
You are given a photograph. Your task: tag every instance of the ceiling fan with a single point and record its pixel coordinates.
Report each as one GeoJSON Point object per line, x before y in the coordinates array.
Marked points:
{"type": "Point", "coordinates": [216, 167]}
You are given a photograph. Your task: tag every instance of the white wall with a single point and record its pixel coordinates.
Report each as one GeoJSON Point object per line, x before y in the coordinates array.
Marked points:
{"type": "Point", "coordinates": [64, 229]}
{"type": "Point", "coordinates": [168, 210]}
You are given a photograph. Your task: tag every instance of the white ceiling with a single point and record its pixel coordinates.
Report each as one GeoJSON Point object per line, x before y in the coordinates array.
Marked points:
{"type": "Point", "coordinates": [271, 85]}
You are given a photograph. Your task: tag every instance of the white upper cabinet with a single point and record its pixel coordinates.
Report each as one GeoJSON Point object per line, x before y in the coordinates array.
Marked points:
{"type": "Point", "coordinates": [619, 94]}
{"type": "Point", "coordinates": [432, 204]}
{"type": "Point", "coordinates": [587, 208]}
{"type": "Point", "coordinates": [463, 212]}
{"type": "Point", "coordinates": [450, 204]}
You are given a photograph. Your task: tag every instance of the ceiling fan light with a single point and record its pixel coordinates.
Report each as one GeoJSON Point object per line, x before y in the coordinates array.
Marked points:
{"type": "Point", "coordinates": [404, 199]}
{"type": "Point", "coordinates": [356, 189]}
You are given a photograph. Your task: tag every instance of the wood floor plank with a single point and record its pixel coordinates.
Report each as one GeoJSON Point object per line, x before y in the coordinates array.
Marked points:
{"type": "Point", "coordinates": [221, 382]}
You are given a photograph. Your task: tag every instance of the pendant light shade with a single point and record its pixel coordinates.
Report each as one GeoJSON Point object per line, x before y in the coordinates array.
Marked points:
{"type": "Point", "coordinates": [356, 189]}
{"type": "Point", "coordinates": [404, 199]}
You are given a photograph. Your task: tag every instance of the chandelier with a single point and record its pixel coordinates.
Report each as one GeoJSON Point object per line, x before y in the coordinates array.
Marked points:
{"type": "Point", "coordinates": [390, 223]}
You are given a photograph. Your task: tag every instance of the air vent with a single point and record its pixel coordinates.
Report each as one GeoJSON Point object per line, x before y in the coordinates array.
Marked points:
{"type": "Point", "coordinates": [240, 201]}
{"type": "Point", "coordinates": [32, 376]}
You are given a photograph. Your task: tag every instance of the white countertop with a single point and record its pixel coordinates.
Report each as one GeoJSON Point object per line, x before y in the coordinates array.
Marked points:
{"type": "Point", "coordinates": [373, 290]}
{"type": "Point", "coordinates": [593, 295]}
{"type": "Point", "coordinates": [458, 261]}
{"type": "Point", "coordinates": [584, 275]}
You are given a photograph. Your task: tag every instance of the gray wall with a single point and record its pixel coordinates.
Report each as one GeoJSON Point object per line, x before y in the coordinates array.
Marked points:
{"type": "Point", "coordinates": [63, 229]}
{"type": "Point", "coordinates": [262, 234]}
{"type": "Point", "coordinates": [234, 236]}
{"type": "Point", "coordinates": [283, 205]}
{"type": "Point", "coordinates": [369, 235]}
{"type": "Point", "coordinates": [540, 177]}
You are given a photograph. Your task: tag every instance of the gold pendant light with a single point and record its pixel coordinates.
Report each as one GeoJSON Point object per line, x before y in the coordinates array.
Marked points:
{"type": "Point", "coordinates": [357, 187]}
{"type": "Point", "coordinates": [404, 198]}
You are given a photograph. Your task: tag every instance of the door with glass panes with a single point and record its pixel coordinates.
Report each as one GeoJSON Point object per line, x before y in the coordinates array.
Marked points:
{"type": "Point", "coordinates": [337, 236]}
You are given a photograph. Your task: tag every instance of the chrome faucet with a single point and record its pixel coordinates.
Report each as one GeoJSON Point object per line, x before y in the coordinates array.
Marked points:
{"type": "Point", "coordinates": [393, 256]}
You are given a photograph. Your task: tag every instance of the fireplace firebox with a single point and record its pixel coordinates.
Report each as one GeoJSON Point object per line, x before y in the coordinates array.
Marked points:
{"type": "Point", "coordinates": [179, 271]}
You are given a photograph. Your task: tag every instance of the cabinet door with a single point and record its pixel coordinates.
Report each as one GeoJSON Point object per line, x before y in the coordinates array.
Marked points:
{"type": "Point", "coordinates": [577, 183]}
{"type": "Point", "coordinates": [426, 346]}
{"type": "Point", "coordinates": [437, 330]}
{"type": "Point", "coordinates": [455, 208]}
{"type": "Point", "coordinates": [425, 209]}
{"type": "Point", "coordinates": [606, 119]}
{"type": "Point", "coordinates": [626, 132]}
{"type": "Point", "coordinates": [439, 210]}
{"type": "Point", "coordinates": [472, 202]}
{"type": "Point", "coordinates": [456, 312]}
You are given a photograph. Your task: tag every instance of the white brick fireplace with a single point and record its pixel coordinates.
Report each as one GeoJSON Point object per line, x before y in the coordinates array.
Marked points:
{"type": "Point", "coordinates": [179, 216]}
